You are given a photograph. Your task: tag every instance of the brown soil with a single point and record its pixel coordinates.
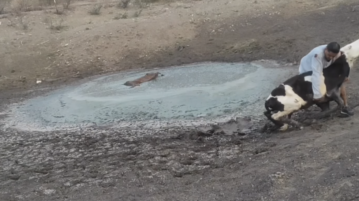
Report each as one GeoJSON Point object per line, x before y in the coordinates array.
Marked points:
{"type": "Point", "coordinates": [317, 163]}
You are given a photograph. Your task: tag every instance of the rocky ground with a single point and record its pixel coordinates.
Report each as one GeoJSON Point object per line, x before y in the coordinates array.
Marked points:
{"type": "Point", "coordinates": [317, 163]}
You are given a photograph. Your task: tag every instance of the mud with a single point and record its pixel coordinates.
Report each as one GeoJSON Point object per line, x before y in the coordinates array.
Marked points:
{"type": "Point", "coordinates": [183, 164]}
{"type": "Point", "coordinates": [209, 163]}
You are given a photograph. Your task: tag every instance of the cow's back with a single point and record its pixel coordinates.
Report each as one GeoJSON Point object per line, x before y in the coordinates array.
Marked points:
{"type": "Point", "coordinates": [300, 86]}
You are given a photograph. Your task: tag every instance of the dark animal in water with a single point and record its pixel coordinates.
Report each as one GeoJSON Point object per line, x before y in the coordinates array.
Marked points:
{"type": "Point", "coordinates": [146, 78]}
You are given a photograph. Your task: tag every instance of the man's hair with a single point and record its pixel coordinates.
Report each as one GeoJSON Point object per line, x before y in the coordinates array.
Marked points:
{"type": "Point", "coordinates": [333, 47]}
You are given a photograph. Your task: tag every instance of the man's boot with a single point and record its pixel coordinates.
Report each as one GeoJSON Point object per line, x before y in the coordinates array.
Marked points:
{"type": "Point", "coordinates": [345, 111]}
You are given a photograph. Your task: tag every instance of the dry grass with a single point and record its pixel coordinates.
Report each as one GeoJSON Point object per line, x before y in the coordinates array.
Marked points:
{"type": "Point", "coordinates": [95, 10]}
{"type": "Point", "coordinates": [139, 3]}
{"type": "Point", "coordinates": [25, 5]}
{"type": "Point", "coordinates": [54, 24]}
{"type": "Point", "coordinates": [23, 24]}
{"type": "Point", "coordinates": [3, 4]}
{"type": "Point", "coordinates": [17, 6]}
{"type": "Point", "coordinates": [137, 13]}
{"type": "Point", "coordinates": [123, 4]}
{"type": "Point", "coordinates": [121, 16]}
{"type": "Point", "coordinates": [18, 21]}
{"type": "Point", "coordinates": [67, 4]}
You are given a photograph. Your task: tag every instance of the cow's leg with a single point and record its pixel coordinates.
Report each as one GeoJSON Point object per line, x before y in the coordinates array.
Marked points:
{"type": "Point", "coordinates": [291, 105]}
{"type": "Point", "coordinates": [324, 106]}
{"type": "Point", "coordinates": [285, 123]}
{"type": "Point", "coordinates": [293, 123]}
{"type": "Point", "coordinates": [280, 123]}
{"type": "Point", "coordinates": [268, 114]}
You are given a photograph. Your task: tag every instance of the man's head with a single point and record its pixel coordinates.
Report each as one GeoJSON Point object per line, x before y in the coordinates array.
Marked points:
{"type": "Point", "coordinates": [331, 51]}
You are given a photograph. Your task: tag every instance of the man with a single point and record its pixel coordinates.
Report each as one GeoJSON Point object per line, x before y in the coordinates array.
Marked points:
{"type": "Point", "coordinates": [316, 60]}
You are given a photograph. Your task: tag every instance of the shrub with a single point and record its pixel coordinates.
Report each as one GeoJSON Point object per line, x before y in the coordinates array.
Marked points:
{"type": "Point", "coordinates": [95, 10]}
{"type": "Point", "coordinates": [123, 4]}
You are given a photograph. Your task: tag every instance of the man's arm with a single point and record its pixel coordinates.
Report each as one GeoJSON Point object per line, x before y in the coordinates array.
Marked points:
{"type": "Point", "coordinates": [317, 68]}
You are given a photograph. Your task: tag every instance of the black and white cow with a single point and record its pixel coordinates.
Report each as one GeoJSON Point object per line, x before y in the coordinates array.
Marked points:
{"type": "Point", "coordinates": [296, 93]}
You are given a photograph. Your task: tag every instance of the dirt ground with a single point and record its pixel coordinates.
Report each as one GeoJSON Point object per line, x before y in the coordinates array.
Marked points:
{"type": "Point", "coordinates": [320, 162]}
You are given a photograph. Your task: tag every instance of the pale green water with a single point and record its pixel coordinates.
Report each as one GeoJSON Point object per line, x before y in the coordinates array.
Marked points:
{"type": "Point", "coordinates": [183, 93]}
